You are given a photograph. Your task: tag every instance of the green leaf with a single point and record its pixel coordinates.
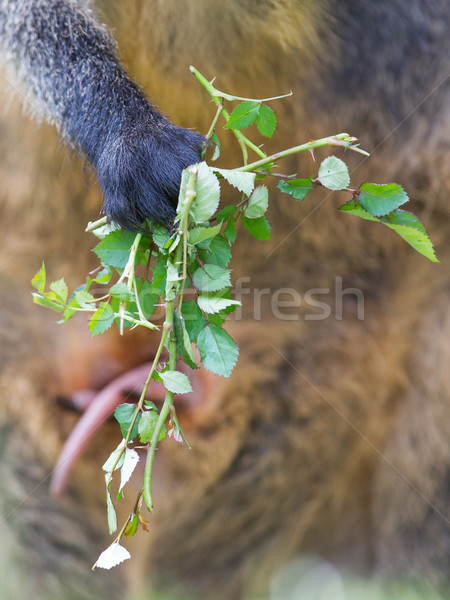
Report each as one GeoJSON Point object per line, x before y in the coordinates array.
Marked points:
{"type": "Point", "coordinates": [298, 188]}
{"type": "Point", "coordinates": [230, 230]}
{"type": "Point", "coordinates": [198, 234]}
{"type": "Point", "coordinates": [60, 289]}
{"type": "Point", "coordinates": [226, 212]}
{"type": "Point", "coordinates": [259, 228]}
{"type": "Point", "coordinates": [211, 278]}
{"type": "Point", "coordinates": [209, 303]}
{"type": "Point", "coordinates": [124, 415]}
{"type": "Point", "coordinates": [380, 200]}
{"type": "Point", "coordinates": [160, 235]}
{"type": "Point", "coordinates": [184, 348]}
{"type": "Point", "coordinates": [218, 350]}
{"type": "Point", "coordinates": [132, 527]}
{"type": "Point", "coordinates": [258, 203]}
{"type": "Point", "coordinates": [176, 382]}
{"type": "Point", "coordinates": [38, 281]}
{"type": "Point", "coordinates": [84, 299]}
{"type": "Point", "coordinates": [114, 249]}
{"type": "Point", "coordinates": [266, 121]}
{"type": "Point", "coordinates": [244, 182]}
{"type": "Point", "coordinates": [243, 115]}
{"type": "Point", "coordinates": [102, 319]}
{"type": "Point", "coordinates": [49, 300]}
{"type": "Point", "coordinates": [193, 319]}
{"type": "Point", "coordinates": [208, 194]}
{"type": "Point", "coordinates": [121, 291]}
{"type": "Point", "coordinates": [147, 298]}
{"type": "Point", "coordinates": [147, 424]}
{"type": "Point", "coordinates": [218, 253]}
{"type": "Point", "coordinates": [333, 174]}
{"type": "Point", "coordinates": [104, 276]}
{"type": "Point", "coordinates": [415, 237]}
{"type": "Point", "coordinates": [159, 276]}
{"type": "Point", "coordinates": [402, 217]}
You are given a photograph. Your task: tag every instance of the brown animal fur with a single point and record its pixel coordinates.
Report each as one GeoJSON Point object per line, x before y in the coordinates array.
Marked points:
{"type": "Point", "coordinates": [332, 437]}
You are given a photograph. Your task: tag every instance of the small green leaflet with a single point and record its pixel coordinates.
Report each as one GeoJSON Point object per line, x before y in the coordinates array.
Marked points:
{"type": "Point", "coordinates": [176, 382]}
{"type": "Point", "coordinates": [184, 347]}
{"type": "Point", "coordinates": [124, 415]}
{"type": "Point", "coordinates": [259, 228]}
{"type": "Point", "coordinates": [199, 234]}
{"type": "Point", "coordinates": [208, 194]}
{"type": "Point", "coordinates": [38, 281]}
{"type": "Point", "coordinates": [160, 235]}
{"type": "Point", "coordinates": [403, 223]}
{"type": "Point", "coordinates": [333, 174]}
{"type": "Point", "coordinates": [121, 291]}
{"type": "Point", "coordinates": [214, 304]}
{"type": "Point", "coordinates": [266, 121]}
{"type": "Point", "coordinates": [380, 200]}
{"type": "Point", "coordinates": [230, 230]}
{"type": "Point", "coordinates": [193, 319]}
{"type": "Point", "coordinates": [244, 182]}
{"type": "Point", "coordinates": [218, 253]}
{"type": "Point", "coordinates": [243, 115]}
{"type": "Point", "coordinates": [257, 203]}
{"type": "Point", "coordinates": [218, 350]}
{"type": "Point", "coordinates": [114, 249]}
{"type": "Point", "coordinates": [211, 278]}
{"type": "Point", "coordinates": [226, 212]}
{"type": "Point", "coordinates": [147, 426]}
{"type": "Point", "coordinates": [102, 319]}
{"type": "Point", "coordinates": [298, 188]}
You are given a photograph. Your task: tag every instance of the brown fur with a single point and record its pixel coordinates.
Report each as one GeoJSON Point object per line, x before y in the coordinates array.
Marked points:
{"type": "Point", "coordinates": [332, 437]}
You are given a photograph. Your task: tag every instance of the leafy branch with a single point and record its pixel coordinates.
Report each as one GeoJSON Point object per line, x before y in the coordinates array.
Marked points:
{"type": "Point", "coordinates": [157, 265]}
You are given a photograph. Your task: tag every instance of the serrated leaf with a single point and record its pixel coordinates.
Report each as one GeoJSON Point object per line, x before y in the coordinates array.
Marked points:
{"type": "Point", "coordinates": [60, 289]}
{"type": "Point", "coordinates": [199, 234]}
{"type": "Point", "coordinates": [114, 249]}
{"type": "Point", "coordinates": [211, 278]}
{"type": "Point", "coordinates": [214, 304]}
{"type": "Point", "coordinates": [112, 556]}
{"type": "Point", "coordinates": [176, 382]}
{"type": "Point", "coordinates": [38, 281]}
{"type": "Point", "coordinates": [226, 212]}
{"type": "Point", "coordinates": [193, 319]}
{"type": "Point", "coordinates": [121, 291]}
{"type": "Point", "coordinates": [160, 234]}
{"type": "Point", "coordinates": [244, 182]}
{"type": "Point", "coordinates": [259, 228]}
{"type": "Point", "coordinates": [333, 174]}
{"type": "Point", "coordinates": [124, 415]}
{"type": "Point", "coordinates": [415, 237]}
{"type": "Point", "coordinates": [48, 301]}
{"type": "Point", "coordinates": [102, 319]}
{"type": "Point", "coordinates": [104, 276]}
{"type": "Point", "coordinates": [298, 188]}
{"type": "Point", "coordinates": [129, 464]}
{"type": "Point", "coordinates": [403, 217]}
{"type": "Point", "coordinates": [84, 299]}
{"type": "Point", "coordinates": [184, 347]}
{"type": "Point", "coordinates": [243, 115]}
{"type": "Point", "coordinates": [159, 276]}
{"type": "Point", "coordinates": [218, 253]}
{"type": "Point", "coordinates": [218, 350]}
{"type": "Point", "coordinates": [230, 230]}
{"type": "Point", "coordinates": [208, 194]}
{"type": "Point", "coordinates": [257, 203]}
{"type": "Point", "coordinates": [266, 121]}
{"type": "Point", "coordinates": [147, 424]}
{"type": "Point", "coordinates": [380, 200]}
{"type": "Point", "coordinates": [112, 458]}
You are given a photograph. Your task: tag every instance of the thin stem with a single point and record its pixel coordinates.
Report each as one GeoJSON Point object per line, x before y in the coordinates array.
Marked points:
{"type": "Point", "coordinates": [92, 225]}
{"type": "Point", "coordinates": [341, 139]}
